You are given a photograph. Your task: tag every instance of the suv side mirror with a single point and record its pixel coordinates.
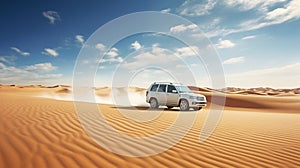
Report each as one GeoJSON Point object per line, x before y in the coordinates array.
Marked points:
{"type": "Point", "coordinates": [174, 91]}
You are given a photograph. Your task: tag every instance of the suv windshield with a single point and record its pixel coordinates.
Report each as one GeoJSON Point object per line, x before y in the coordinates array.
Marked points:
{"type": "Point", "coordinates": [183, 89]}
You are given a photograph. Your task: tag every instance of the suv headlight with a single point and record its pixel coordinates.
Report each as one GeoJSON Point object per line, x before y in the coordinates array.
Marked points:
{"type": "Point", "coordinates": [193, 97]}
{"type": "Point", "coordinates": [200, 98]}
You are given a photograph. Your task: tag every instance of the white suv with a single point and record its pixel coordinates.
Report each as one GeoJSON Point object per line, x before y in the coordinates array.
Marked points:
{"type": "Point", "coordinates": [174, 95]}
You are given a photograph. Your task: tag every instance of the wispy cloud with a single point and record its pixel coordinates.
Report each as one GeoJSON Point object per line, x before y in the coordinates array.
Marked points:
{"type": "Point", "coordinates": [290, 11]}
{"type": "Point", "coordinates": [158, 55]}
{"type": "Point", "coordinates": [194, 8]}
{"type": "Point", "coordinates": [49, 51]}
{"type": "Point", "coordinates": [187, 51]}
{"type": "Point", "coordinates": [261, 5]}
{"type": "Point", "coordinates": [136, 45]}
{"type": "Point", "coordinates": [234, 60]}
{"type": "Point", "coordinates": [100, 47]}
{"type": "Point", "coordinates": [8, 59]}
{"type": "Point", "coordinates": [264, 14]}
{"type": "Point", "coordinates": [248, 37]}
{"type": "Point", "coordinates": [111, 60]}
{"type": "Point", "coordinates": [225, 44]}
{"type": "Point", "coordinates": [53, 16]}
{"type": "Point", "coordinates": [166, 10]}
{"type": "Point", "coordinates": [182, 28]}
{"type": "Point", "coordinates": [19, 51]}
{"type": "Point", "coordinates": [42, 67]}
{"type": "Point", "coordinates": [212, 24]}
{"type": "Point", "coordinates": [80, 39]}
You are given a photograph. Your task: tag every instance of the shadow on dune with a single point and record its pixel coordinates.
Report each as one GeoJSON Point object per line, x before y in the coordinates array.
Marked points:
{"type": "Point", "coordinates": [143, 108]}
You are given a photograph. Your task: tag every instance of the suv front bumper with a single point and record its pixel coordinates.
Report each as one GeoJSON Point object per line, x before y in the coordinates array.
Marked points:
{"type": "Point", "coordinates": [194, 103]}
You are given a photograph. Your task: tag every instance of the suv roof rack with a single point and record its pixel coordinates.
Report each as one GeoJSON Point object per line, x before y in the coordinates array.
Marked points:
{"type": "Point", "coordinates": [167, 83]}
{"type": "Point", "coordinates": [164, 82]}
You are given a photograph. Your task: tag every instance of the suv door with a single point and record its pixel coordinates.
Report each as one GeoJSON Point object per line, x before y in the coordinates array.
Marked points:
{"type": "Point", "coordinates": [172, 95]}
{"type": "Point", "coordinates": [161, 94]}
{"type": "Point", "coordinates": [152, 92]}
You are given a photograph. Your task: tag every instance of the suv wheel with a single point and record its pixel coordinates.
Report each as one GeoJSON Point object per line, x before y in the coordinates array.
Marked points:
{"type": "Point", "coordinates": [184, 105]}
{"type": "Point", "coordinates": [153, 103]}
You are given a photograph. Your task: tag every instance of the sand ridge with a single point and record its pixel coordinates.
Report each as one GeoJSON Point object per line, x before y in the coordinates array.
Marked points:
{"type": "Point", "coordinates": [39, 132]}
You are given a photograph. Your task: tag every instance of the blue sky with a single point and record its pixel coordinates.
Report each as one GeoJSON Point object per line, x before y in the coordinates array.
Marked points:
{"type": "Point", "coordinates": [257, 41]}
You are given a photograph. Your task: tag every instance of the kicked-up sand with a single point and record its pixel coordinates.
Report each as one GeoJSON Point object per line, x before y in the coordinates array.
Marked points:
{"type": "Point", "coordinates": [255, 131]}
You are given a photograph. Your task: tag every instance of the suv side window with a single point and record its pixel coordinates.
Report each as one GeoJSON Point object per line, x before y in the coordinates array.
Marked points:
{"type": "Point", "coordinates": [154, 87]}
{"type": "Point", "coordinates": [170, 88]}
{"type": "Point", "coordinates": [162, 88]}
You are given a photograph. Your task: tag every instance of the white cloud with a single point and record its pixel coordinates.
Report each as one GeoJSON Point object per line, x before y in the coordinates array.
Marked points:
{"type": "Point", "coordinates": [166, 10]}
{"type": "Point", "coordinates": [49, 51]}
{"type": "Point", "coordinates": [118, 59]}
{"type": "Point", "coordinates": [245, 5]}
{"type": "Point", "coordinates": [28, 75]}
{"type": "Point", "coordinates": [80, 39]}
{"type": "Point", "coordinates": [136, 45]}
{"type": "Point", "coordinates": [154, 56]}
{"type": "Point", "coordinates": [289, 11]}
{"type": "Point", "coordinates": [112, 52]}
{"type": "Point", "coordinates": [161, 56]}
{"type": "Point", "coordinates": [2, 66]}
{"type": "Point", "coordinates": [194, 8]}
{"type": "Point", "coordinates": [155, 45]}
{"type": "Point", "coordinates": [100, 47]}
{"type": "Point", "coordinates": [187, 51]}
{"type": "Point", "coordinates": [225, 44]}
{"type": "Point", "coordinates": [42, 67]}
{"type": "Point", "coordinates": [19, 51]}
{"type": "Point", "coordinates": [277, 77]}
{"type": "Point", "coordinates": [182, 28]}
{"type": "Point", "coordinates": [53, 16]}
{"type": "Point", "coordinates": [248, 37]}
{"type": "Point", "coordinates": [234, 60]}
{"type": "Point", "coordinates": [111, 56]}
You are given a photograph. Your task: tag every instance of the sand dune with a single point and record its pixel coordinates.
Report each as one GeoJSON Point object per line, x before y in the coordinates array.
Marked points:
{"type": "Point", "coordinates": [262, 91]}
{"type": "Point", "coordinates": [255, 131]}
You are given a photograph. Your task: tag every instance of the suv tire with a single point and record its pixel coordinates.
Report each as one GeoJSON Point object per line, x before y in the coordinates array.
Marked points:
{"type": "Point", "coordinates": [153, 103]}
{"type": "Point", "coordinates": [184, 105]}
